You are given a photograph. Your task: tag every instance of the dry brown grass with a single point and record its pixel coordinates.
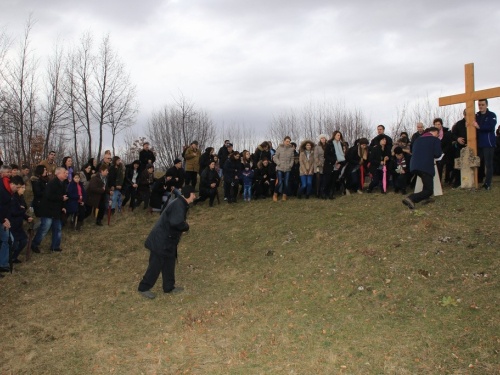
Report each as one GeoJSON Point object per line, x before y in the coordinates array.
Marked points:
{"type": "Point", "coordinates": [352, 286]}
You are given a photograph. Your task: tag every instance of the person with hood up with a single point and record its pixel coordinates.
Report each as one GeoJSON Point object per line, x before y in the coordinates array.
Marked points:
{"type": "Point", "coordinates": [307, 162]}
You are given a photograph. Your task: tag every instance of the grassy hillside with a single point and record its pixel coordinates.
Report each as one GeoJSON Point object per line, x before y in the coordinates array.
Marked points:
{"type": "Point", "coordinates": [358, 285]}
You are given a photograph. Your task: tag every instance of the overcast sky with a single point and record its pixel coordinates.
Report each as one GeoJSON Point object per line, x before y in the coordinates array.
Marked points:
{"type": "Point", "coordinates": [244, 61]}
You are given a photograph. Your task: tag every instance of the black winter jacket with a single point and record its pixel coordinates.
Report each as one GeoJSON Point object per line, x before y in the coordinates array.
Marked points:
{"type": "Point", "coordinates": [167, 231]}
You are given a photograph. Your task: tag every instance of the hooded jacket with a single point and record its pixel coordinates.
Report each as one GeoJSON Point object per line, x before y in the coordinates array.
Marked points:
{"type": "Point", "coordinates": [306, 164]}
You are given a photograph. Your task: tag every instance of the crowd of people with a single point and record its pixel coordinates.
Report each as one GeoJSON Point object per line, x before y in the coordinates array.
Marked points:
{"type": "Point", "coordinates": [323, 168]}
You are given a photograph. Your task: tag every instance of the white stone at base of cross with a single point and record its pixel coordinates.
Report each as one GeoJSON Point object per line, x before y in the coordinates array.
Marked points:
{"type": "Point", "coordinates": [466, 163]}
{"type": "Point", "coordinates": [437, 184]}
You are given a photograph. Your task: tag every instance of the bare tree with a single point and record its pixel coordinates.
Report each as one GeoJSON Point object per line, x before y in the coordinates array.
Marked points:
{"type": "Point", "coordinates": [18, 93]}
{"type": "Point", "coordinates": [175, 126]}
{"type": "Point", "coordinates": [82, 89]}
{"type": "Point", "coordinates": [54, 110]}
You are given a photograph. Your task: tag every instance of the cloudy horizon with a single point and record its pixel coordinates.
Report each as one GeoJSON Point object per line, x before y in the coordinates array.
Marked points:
{"type": "Point", "coordinates": [245, 62]}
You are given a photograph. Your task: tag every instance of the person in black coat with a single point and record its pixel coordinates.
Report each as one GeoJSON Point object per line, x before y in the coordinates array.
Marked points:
{"type": "Point", "coordinates": [328, 170]}
{"type": "Point", "coordinates": [356, 157]}
{"type": "Point", "coordinates": [162, 243]}
{"type": "Point", "coordinates": [53, 204]}
{"type": "Point", "coordinates": [459, 133]}
{"type": "Point", "coordinates": [146, 156]}
{"type": "Point", "coordinates": [381, 134]}
{"type": "Point", "coordinates": [206, 158]}
{"type": "Point", "coordinates": [400, 170]}
{"type": "Point", "coordinates": [130, 183]}
{"type": "Point", "coordinates": [209, 182]}
{"type": "Point", "coordinates": [223, 153]}
{"type": "Point", "coordinates": [18, 215]}
{"type": "Point", "coordinates": [448, 159]}
{"type": "Point", "coordinates": [232, 169]}
{"type": "Point", "coordinates": [379, 157]}
{"type": "Point", "coordinates": [265, 177]}
{"type": "Point", "coordinates": [38, 186]}
{"type": "Point", "coordinates": [8, 187]}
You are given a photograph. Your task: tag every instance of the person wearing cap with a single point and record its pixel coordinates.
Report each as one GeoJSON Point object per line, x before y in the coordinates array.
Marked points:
{"type": "Point", "coordinates": [356, 157]}
{"type": "Point", "coordinates": [426, 148]}
{"type": "Point", "coordinates": [192, 157]}
{"type": "Point", "coordinates": [162, 243]}
{"type": "Point", "coordinates": [146, 156]}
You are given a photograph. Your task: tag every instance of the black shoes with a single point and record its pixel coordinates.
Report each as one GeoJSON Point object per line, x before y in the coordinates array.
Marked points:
{"type": "Point", "coordinates": [58, 249]}
{"type": "Point", "coordinates": [409, 203]}
{"type": "Point", "coordinates": [99, 223]}
{"type": "Point", "coordinates": [35, 249]}
{"type": "Point", "coordinates": [16, 261]}
{"type": "Point", "coordinates": [4, 269]}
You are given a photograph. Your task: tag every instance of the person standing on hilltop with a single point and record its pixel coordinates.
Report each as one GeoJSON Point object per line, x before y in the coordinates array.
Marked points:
{"type": "Point", "coordinates": [485, 123]}
{"type": "Point", "coordinates": [284, 159]}
{"type": "Point", "coordinates": [146, 156]}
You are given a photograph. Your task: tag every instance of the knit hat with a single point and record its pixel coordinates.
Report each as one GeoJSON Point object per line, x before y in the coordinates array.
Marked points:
{"type": "Point", "coordinates": [177, 161]}
{"type": "Point", "coordinates": [194, 143]}
{"type": "Point", "coordinates": [149, 166]}
{"type": "Point", "coordinates": [322, 136]}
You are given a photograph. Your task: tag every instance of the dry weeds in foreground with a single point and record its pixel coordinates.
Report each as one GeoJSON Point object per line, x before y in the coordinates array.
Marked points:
{"type": "Point", "coordinates": [352, 286]}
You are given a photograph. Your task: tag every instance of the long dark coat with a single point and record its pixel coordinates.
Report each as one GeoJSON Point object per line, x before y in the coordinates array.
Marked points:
{"type": "Point", "coordinates": [167, 231]}
{"type": "Point", "coordinates": [95, 190]}
{"type": "Point", "coordinates": [52, 202]}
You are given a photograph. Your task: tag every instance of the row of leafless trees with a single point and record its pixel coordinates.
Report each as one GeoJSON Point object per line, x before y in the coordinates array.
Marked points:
{"type": "Point", "coordinates": [320, 118]}
{"type": "Point", "coordinates": [67, 102]}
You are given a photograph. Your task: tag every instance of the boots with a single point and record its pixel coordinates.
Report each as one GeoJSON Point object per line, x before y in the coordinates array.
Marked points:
{"type": "Point", "coordinates": [275, 197]}
{"type": "Point", "coordinates": [284, 197]}
{"type": "Point", "coordinates": [98, 222]}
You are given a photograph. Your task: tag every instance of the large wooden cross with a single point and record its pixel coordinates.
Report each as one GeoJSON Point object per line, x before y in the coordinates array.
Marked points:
{"type": "Point", "coordinates": [469, 98]}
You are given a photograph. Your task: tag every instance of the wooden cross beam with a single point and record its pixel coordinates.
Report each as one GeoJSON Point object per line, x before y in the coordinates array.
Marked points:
{"type": "Point", "coordinates": [469, 98]}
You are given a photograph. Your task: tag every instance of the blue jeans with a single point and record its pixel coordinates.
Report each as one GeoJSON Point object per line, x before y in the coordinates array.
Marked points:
{"type": "Point", "coordinates": [487, 154]}
{"type": "Point", "coordinates": [247, 191]}
{"type": "Point", "coordinates": [282, 180]}
{"type": "Point", "coordinates": [4, 249]}
{"type": "Point", "coordinates": [47, 223]}
{"type": "Point", "coordinates": [114, 202]}
{"type": "Point", "coordinates": [306, 183]}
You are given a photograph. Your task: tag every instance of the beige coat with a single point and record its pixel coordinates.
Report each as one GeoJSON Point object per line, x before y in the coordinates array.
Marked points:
{"type": "Point", "coordinates": [306, 165]}
{"type": "Point", "coordinates": [284, 158]}
{"type": "Point", "coordinates": [192, 158]}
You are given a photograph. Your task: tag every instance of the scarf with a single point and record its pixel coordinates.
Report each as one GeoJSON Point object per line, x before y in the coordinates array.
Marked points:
{"type": "Point", "coordinates": [338, 151]}
{"type": "Point", "coordinates": [79, 188]}
{"type": "Point", "coordinates": [441, 134]}
{"type": "Point", "coordinates": [308, 154]}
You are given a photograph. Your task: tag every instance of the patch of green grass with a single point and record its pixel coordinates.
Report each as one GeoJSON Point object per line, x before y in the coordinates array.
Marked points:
{"type": "Point", "coordinates": [354, 285]}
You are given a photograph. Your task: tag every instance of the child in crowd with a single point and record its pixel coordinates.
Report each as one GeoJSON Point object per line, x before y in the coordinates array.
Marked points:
{"type": "Point", "coordinates": [247, 178]}
{"type": "Point", "coordinates": [18, 214]}
{"type": "Point", "coordinates": [400, 170]}
{"type": "Point", "coordinates": [76, 202]}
